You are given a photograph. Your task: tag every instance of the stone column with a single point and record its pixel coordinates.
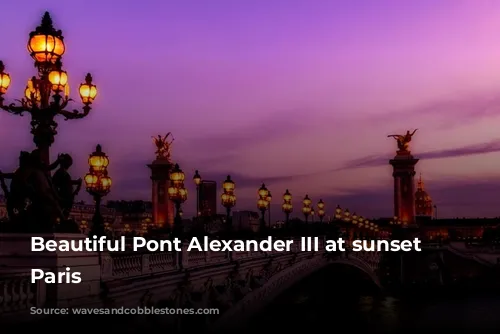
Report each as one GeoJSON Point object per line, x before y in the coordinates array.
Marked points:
{"type": "Point", "coordinates": [163, 207]}
{"type": "Point", "coordinates": [403, 166]}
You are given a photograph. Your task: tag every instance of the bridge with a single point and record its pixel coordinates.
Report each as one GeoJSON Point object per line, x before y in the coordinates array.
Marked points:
{"type": "Point", "coordinates": [483, 255]}
{"type": "Point", "coordinates": [237, 283]}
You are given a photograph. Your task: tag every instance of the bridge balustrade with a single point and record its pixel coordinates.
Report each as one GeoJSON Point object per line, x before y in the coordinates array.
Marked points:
{"type": "Point", "coordinates": [17, 293]}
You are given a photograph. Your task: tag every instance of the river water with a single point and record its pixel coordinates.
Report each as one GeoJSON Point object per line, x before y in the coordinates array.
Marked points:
{"type": "Point", "coordinates": [337, 298]}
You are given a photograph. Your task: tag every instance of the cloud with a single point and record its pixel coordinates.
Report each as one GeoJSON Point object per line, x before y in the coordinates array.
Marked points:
{"type": "Point", "coordinates": [475, 149]}
{"type": "Point", "coordinates": [455, 110]}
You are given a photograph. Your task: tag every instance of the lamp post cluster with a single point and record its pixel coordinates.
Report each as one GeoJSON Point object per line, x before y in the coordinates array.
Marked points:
{"type": "Point", "coordinates": [98, 185]}
{"type": "Point", "coordinates": [228, 199]}
{"type": "Point", "coordinates": [47, 94]}
{"type": "Point", "coordinates": [177, 194]}
{"type": "Point", "coordinates": [263, 204]}
{"type": "Point", "coordinates": [287, 206]}
{"type": "Point", "coordinates": [364, 226]}
{"type": "Point", "coordinates": [308, 210]}
{"type": "Point", "coordinates": [396, 221]}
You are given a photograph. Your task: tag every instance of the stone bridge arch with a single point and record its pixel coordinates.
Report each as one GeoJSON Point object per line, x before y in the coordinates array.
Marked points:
{"type": "Point", "coordinates": [254, 301]}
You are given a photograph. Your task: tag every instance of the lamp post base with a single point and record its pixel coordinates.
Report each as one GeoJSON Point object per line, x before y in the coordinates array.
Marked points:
{"type": "Point", "coordinates": [178, 228]}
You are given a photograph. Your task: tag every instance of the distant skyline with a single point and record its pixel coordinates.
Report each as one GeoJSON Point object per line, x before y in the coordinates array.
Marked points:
{"type": "Point", "coordinates": [300, 95]}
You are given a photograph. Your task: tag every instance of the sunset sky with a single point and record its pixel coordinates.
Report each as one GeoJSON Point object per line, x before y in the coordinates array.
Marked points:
{"type": "Point", "coordinates": [298, 94]}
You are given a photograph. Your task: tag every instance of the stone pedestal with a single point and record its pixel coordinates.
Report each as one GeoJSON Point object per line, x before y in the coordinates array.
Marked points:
{"type": "Point", "coordinates": [163, 207]}
{"type": "Point", "coordinates": [16, 257]}
{"type": "Point", "coordinates": [404, 186]}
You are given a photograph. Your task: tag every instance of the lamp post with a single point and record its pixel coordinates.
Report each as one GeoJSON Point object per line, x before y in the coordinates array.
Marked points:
{"type": "Point", "coordinates": [197, 182]}
{"type": "Point", "coordinates": [177, 194]}
{"type": "Point", "coordinates": [262, 205]}
{"type": "Point", "coordinates": [287, 206]}
{"type": "Point", "coordinates": [228, 199]}
{"type": "Point", "coordinates": [98, 185]}
{"type": "Point", "coordinates": [321, 210]}
{"type": "Point", "coordinates": [338, 213]}
{"type": "Point", "coordinates": [47, 94]}
{"type": "Point", "coordinates": [306, 208]}
{"type": "Point", "coordinates": [347, 219]}
{"type": "Point", "coordinates": [269, 199]}
{"type": "Point", "coordinates": [360, 222]}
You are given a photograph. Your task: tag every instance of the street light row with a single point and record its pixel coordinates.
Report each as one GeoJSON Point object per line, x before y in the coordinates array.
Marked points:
{"type": "Point", "coordinates": [228, 200]}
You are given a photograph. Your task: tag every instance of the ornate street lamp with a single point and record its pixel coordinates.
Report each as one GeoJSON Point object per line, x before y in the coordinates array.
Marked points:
{"type": "Point", "coordinates": [306, 208]}
{"type": "Point", "coordinates": [338, 212]}
{"type": "Point", "coordinates": [269, 199]}
{"type": "Point", "coordinates": [262, 205]}
{"type": "Point", "coordinates": [177, 194]}
{"type": "Point", "coordinates": [197, 182]}
{"type": "Point", "coordinates": [321, 210]}
{"type": "Point", "coordinates": [98, 185]}
{"type": "Point", "coordinates": [347, 215]}
{"type": "Point", "coordinates": [47, 94]}
{"type": "Point", "coordinates": [228, 199]}
{"type": "Point", "coordinates": [354, 218]}
{"type": "Point", "coordinates": [347, 219]}
{"type": "Point", "coordinates": [287, 206]}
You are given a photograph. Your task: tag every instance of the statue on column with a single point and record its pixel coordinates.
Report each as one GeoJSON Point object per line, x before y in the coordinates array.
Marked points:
{"type": "Point", "coordinates": [403, 141]}
{"type": "Point", "coordinates": [64, 184]}
{"type": "Point", "coordinates": [32, 201]}
{"type": "Point", "coordinates": [163, 146]}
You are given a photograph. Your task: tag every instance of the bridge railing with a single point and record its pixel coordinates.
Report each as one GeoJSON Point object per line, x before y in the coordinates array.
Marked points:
{"type": "Point", "coordinates": [18, 294]}
{"type": "Point", "coordinates": [120, 265]}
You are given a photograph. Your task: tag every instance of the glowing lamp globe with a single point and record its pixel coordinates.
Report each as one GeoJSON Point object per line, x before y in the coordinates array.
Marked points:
{"type": "Point", "coordinates": [91, 181]}
{"type": "Point", "coordinates": [307, 201]}
{"type": "Point", "coordinates": [197, 178]}
{"type": "Point", "coordinates": [183, 194]}
{"type": "Point", "coordinates": [321, 204]}
{"type": "Point", "coordinates": [59, 80]}
{"type": "Point", "coordinates": [4, 79]}
{"type": "Point", "coordinates": [177, 175]}
{"type": "Point", "coordinates": [172, 192]}
{"type": "Point", "coordinates": [45, 44]}
{"type": "Point", "coordinates": [88, 91]}
{"type": "Point", "coordinates": [263, 192]}
{"type": "Point", "coordinates": [105, 183]}
{"type": "Point", "coordinates": [98, 161]}
{"type": "Point", "coordinates": [228, 185]}
{"type": "Point", "coordinates": [287, 197]}
{"type": "Point", "coordinates": [32, 94]}
{"type": "Point", "coordinates": [262, 204]}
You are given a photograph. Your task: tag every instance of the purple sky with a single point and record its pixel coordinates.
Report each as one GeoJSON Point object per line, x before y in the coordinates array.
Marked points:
{"type": "Point", "coordinates": [297, 94]}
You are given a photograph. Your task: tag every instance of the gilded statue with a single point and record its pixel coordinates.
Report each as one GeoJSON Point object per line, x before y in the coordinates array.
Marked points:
{"type": "Point", "coordinates": [404, 140]}
{"type": "Point", "coordinates": [163, 146]}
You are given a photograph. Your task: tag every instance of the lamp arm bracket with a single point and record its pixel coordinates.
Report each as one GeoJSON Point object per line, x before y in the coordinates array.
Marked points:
{"type": "Point", "coordinates": [75, 114]}
{"type": "Point", "coordinates": [16, 110]}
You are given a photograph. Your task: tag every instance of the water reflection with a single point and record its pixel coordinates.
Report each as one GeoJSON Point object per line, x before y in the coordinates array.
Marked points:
{"type": "Point", "coordinates": [342, 298]}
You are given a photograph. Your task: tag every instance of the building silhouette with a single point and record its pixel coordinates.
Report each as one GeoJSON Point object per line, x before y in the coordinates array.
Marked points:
{"type": "Point", "coordinates": [246, 220]}
{"type": "Point", "coordinates": [208, 198]}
